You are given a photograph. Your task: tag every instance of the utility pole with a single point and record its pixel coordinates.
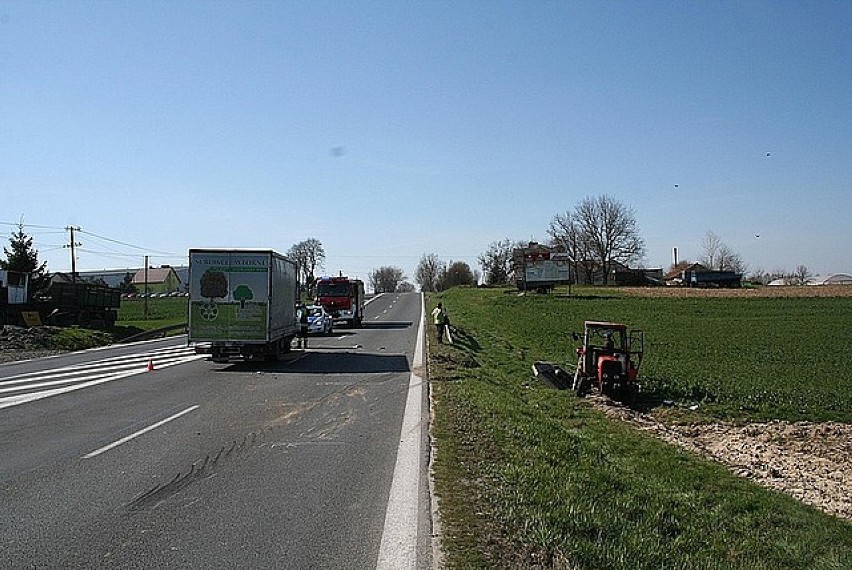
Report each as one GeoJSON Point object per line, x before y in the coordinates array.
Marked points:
{"type": "Point", "coordinates": [145, 296]}
{"type": "Point", "coordinates": [72, 245]}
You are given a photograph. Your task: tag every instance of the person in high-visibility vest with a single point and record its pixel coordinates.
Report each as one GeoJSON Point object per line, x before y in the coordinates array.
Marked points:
{"type": "Point", "coordinates": [439, 317]}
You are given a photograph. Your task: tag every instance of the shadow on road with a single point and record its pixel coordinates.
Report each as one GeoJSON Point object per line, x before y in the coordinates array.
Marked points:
{"type": "Point", "coordinates": [326, 363]}
{"type": "Point", "coordinates": [387, 325]}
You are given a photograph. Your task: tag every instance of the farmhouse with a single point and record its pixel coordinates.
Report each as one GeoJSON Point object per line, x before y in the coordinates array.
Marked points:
{"type": "Point", "coordinates": [159, 280]}
{"type": "Point", "coordinates": [591, 273]}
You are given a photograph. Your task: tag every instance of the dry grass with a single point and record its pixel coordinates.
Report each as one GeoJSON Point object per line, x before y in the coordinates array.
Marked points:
{"type": "Point", "coordinates": [785, 291]}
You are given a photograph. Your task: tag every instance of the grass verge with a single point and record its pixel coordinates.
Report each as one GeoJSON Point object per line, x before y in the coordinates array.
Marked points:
{"type": "Point", "coordinates": [160, 313]}
{"type": "Point", "coordinates": [532, 477]}
{"type": "Point", "coordinates": [132, 320]}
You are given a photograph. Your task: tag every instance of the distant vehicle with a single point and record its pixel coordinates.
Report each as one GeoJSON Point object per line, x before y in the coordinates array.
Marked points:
{"type": "Point", "coordinates": [319, 321]}
{"type": "Point", "coordinates": [539, 268]}
{"type": "Point", "coordinates": [79, 303]}
{"type": "Point", "coordinates": [343, 298]}
{"type": "Point", "coordinates": [729, 279]}
{"type": "Point", "coordinates": [242, 303]}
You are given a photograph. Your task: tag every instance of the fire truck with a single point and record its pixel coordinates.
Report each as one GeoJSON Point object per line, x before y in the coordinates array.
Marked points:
{"type": "Point", "coordinates": [342, 297]}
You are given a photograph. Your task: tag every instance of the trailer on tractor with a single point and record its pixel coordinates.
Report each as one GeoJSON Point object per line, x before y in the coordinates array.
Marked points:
{"type": "Point", "coordinates": [609, 359]}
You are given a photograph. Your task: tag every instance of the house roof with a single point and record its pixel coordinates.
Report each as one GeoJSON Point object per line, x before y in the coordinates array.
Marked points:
{"type": "Point", "coordinates": [155, 275]}
{"type": "Point", "coordinates": [681, 267]}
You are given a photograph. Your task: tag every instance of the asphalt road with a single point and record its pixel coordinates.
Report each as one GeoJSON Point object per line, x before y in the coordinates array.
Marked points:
{"type": "Point", "coordinates": [293, 464]}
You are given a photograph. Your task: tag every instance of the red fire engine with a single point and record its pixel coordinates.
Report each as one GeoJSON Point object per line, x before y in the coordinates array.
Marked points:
{"type": "Point", "coordinates": [343, 298]}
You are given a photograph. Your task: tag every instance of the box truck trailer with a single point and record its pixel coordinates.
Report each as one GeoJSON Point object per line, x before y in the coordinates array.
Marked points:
{"type": "Point", "coordinates": [242, 303]}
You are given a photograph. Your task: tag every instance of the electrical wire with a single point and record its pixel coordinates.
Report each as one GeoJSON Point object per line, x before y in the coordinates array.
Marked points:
{"type": "Point", "coordinates": [139, 247]}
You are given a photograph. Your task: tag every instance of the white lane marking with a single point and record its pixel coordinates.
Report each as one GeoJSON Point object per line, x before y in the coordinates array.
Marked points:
{"type": "Point", "coordinates": [399, 538]}
{"type": "Point", "coordinates": [140, 432]}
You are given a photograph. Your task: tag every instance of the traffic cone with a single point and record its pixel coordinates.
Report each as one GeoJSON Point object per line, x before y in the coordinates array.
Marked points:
{"type": "Point", "coordinates": [150, 366]}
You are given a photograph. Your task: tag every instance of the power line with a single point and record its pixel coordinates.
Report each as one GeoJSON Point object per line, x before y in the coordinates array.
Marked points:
{"type": "Point", "coordinates": [21, 224]}
{"type": "Point", "coordinates": [119, 242]}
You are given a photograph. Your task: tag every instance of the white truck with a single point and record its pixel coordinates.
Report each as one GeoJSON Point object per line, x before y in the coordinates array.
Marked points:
{"type": "Point", "coordinates": [242, 303]}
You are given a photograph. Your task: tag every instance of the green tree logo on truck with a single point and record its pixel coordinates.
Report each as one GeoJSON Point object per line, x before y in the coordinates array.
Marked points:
{"type": "Point", "coordinates": [242, 294]}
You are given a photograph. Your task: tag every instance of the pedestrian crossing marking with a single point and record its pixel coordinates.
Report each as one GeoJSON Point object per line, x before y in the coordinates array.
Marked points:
{"type": "Point", "coordinates": [19, 389]}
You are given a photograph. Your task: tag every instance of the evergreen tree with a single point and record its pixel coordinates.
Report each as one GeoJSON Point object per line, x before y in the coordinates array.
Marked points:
{"type": "Point", "coordinates": [127, 286]}
{"type": "Point", "coordinates": [24, 258]}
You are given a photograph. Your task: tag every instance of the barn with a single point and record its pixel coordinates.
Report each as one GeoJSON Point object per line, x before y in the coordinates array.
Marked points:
{"type": "Point", "coordinates": [833, 279]}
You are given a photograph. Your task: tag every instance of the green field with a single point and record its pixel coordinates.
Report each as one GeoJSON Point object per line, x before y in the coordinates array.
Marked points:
{"type": "Point", "coordinates": [762, 358]}
{"type": "Point", "coordinates": [528, 476]}
{"type": "Point", "coordinates": [133, 317]}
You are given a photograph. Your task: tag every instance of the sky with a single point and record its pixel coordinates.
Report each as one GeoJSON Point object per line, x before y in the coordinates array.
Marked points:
{"type": "Point", "coordinates": [391, 130]}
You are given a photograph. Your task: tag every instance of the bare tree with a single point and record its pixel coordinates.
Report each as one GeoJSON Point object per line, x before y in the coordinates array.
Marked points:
{"type": "Point", "coordinates": [719, 256]}
{"type": "Point", "coordinates": [310, 255]}
{"type": "Point", "coordinates": [759, 276]}
{"type": "Point", "coordinates": [405, 287]}
{"type": "Point", "coordinates": [801, 275]}
{"type": "Point", "coordinates": [568, 237]}
{"type": "Point", "coordinates": [611, 230]}
{"type": "Point", "coordinates": [710, 246]}
{"type": "Point", "coordinates": [385, 279]}
{"type": "Point", "coordinates": [729, 260]}
{"type": "Point", "coordinates": [428, 272]}
{"type": "Point", "coordinates": [496, 261]}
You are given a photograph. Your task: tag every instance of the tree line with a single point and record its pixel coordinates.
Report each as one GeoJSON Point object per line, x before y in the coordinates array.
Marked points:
{"type": "Point", "coordinates": [595, 235]}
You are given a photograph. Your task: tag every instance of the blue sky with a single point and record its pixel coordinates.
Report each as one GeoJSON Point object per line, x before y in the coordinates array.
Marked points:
{"type": "Point", "coordinates": [388, 130]}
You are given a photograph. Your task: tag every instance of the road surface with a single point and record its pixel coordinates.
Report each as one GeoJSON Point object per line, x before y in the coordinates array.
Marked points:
{"type": "Point", "coordinates": [317, 461]}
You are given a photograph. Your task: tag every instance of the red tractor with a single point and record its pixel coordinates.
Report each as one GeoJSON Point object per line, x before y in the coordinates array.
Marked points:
{"type": "Point", "coordinates": [609, 359]}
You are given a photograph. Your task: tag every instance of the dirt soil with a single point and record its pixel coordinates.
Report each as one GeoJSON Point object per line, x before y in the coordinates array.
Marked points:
{"type": "Point", "coordinates": [809, 461]}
